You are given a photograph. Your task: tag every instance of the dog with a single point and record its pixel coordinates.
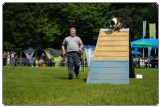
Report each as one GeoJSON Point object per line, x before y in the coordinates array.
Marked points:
{"type": "Point", "coordinates": [117, 24]}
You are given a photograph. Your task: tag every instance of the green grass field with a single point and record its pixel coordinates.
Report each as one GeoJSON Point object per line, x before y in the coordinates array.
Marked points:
{"type": "Point", "coordinates": [50, 86]}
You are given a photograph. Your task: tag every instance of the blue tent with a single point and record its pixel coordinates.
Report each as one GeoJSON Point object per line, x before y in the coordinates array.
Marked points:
{"type": "Point", "coordinates": [149, 41]}
{"type": "Point", "coordinates": [153, 42]}
{"type": "Point", "coordinates": [134, 52]}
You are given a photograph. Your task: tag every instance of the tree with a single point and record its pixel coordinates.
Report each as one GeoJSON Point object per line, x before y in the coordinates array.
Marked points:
{"type": "Point", "coordinates": [42, 25]}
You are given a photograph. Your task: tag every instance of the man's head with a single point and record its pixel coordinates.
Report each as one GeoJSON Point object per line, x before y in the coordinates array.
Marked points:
{"type": "Point", "coordinates": [72, 32]}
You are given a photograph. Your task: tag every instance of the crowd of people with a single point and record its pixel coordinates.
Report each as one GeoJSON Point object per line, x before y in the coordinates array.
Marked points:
{"type": "Point", "coordinates": [43, 62]}
{"type": "Point", "coordinates": [9, 58]}
{"type": "Point", "coordinates": [12, 59]}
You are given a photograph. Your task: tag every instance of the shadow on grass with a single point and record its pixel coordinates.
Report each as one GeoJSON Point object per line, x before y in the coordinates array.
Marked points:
{"type": "Point", "coordinates": [61, 78]}
{"type": "Point", "coordinates": [85, 79]}
{"type": "Point", "coordinates": [66, 78]}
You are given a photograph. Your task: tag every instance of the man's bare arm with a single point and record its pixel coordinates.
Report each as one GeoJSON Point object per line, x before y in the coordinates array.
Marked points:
{"type": "Point", "coordinates": [63, 50]}
{"type": "Point", "coordinates": [81, 46]}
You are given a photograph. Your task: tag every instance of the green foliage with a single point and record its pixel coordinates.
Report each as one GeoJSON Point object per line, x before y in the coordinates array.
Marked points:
{"type": "Point", "coordinates": [50, 86]}
{"type": "Point", "coordinates": [46, 24]}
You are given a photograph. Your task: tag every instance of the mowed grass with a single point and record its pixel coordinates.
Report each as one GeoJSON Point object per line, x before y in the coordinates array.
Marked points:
{"type": "Point", "coordinates": [50, 86]}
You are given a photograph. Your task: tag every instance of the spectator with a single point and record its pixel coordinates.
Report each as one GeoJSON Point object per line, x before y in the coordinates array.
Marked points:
{"type": "Point", "coordinates": [8, 59]}
{"type": "Point", "coordinates": [4, 58]}
{"type": "Point", "coordinates": [12, 58]}
{"type": "Point", "coordinates": [15, 59]}
{"type": "Point", "coordinates": [41, 61]}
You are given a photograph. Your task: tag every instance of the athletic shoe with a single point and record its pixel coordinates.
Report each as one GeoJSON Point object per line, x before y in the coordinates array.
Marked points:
{"type": "Point", "coordinates": [77, 76]}
{"type": "Point", "coordinates": [70, 76]}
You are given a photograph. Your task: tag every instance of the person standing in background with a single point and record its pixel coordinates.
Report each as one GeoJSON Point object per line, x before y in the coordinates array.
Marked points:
{"type": "Point", "coordinates": [12, 58]}
{"type": "Point", "coordinates": [15, 59]}
{"type": "Point", "coordinates": [4, 58]}
{"type": "Point", "coordinates": [8, 59]}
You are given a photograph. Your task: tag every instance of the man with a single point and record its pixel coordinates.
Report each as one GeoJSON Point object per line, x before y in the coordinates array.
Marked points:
{"type": "Point", "coordinates": [12, 58]}
{"type": "Point", "coordinates": [8, 59]}
{"type": "Point", "coordinates": [74, 46]}
{"type": "Point", "coordinates": [4, 58]}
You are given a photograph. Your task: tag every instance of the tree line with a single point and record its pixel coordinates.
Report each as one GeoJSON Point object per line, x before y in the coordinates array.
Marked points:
{"type": "Point", "coordinates": [43, 25]}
